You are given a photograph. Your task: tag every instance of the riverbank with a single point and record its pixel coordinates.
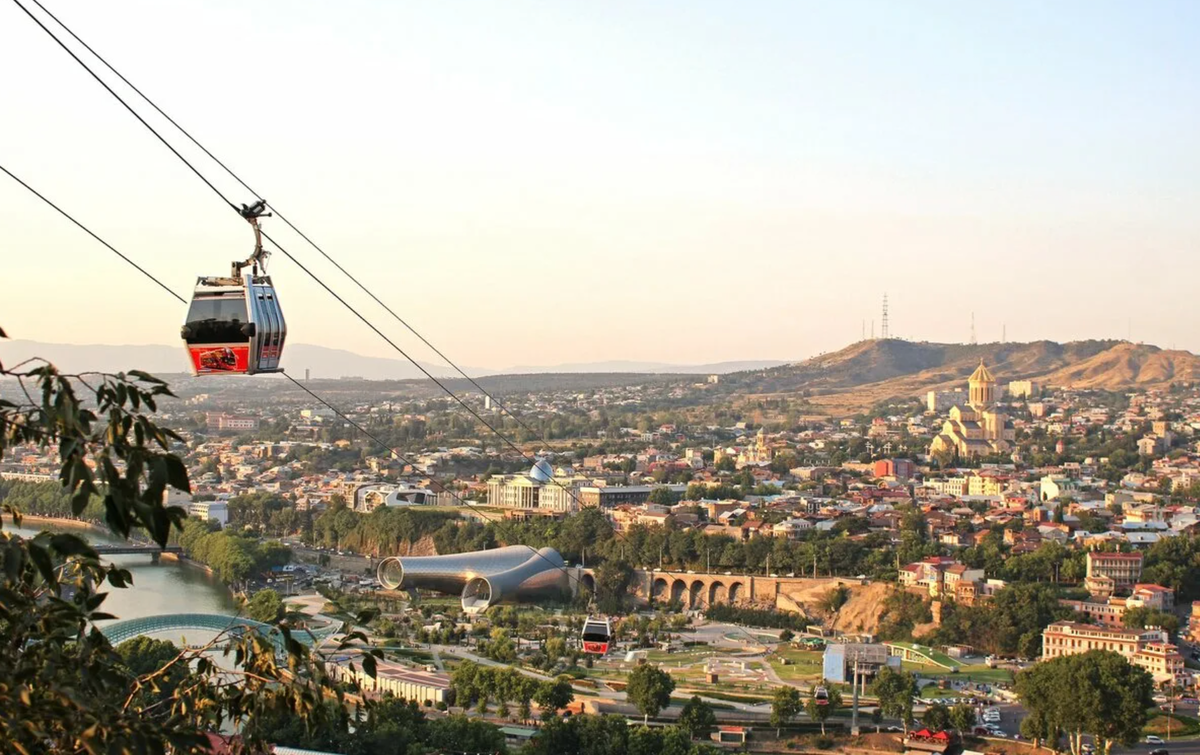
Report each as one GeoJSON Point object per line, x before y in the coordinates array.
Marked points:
{"type": "Point", "coordinates": [35, 521]}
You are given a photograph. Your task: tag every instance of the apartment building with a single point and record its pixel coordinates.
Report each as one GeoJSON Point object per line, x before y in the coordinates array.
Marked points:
{"type": "Point", "coordinates": [222, 422]}
{"type": "Point", "coordinates": [217, 511]}
{"type": "Point", "coordinates": [1108, 572]}
{"type": "Point", "coordinates": [939, 576]}
{"type": "Point", "coordinates": [1147, 648]}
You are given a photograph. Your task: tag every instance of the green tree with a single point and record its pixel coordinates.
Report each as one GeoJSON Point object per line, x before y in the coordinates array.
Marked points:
{"type": "Point", "coordinates": [962, 717]}
{"type": "Point", "coordinates": [785, 706]}
{"type": "Point", "coordinates": [1142, 617]}
{"type": "Point", "coordinates": [697, 718]}
{"type": "Point", "coordinates": [66, 689]}
{"type": "Point", "coordinates": [501, 647]}
{"type": "Point", "coordinates": [649, 688]}
{"type": "Point", "coordinates": [265, 606]}
{"type": "Point", "coordinates": [896, 690]}
{"type": "Point", "coordinates": [153, 659]}
{"type": "Point", "coordinates": [821, 711]}
{"type": "Point", "coordinates": [613, 578]}
{"type": "Point", "coordinates": [1097, 693]}
{"type": "Point", "coordinates": [662, 495]}
{"type": "Point", "coordinates": [462, 734]}
{"type": "Point", "coordinates": [554, 696]}
{"type": "Point", "coordinates": [936, 717]}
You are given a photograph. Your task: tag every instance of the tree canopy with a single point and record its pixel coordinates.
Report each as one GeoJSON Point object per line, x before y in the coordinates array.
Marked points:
{"type": "Point", "coordinates": [649, 688]}
{"type": "Point", "coordinates": [1098, 693]}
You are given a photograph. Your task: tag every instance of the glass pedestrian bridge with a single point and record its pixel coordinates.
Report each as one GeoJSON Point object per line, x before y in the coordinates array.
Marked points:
{"type": "Point", "coordinates": [120, 631]}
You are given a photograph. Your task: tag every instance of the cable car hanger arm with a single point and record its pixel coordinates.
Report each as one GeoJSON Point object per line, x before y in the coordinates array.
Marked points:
{"type": "Point", "coordinates": [259, 257]}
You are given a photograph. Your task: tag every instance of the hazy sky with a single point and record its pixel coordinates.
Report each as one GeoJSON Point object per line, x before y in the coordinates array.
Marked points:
{"type": "Point", "coordinates": [535, 183]}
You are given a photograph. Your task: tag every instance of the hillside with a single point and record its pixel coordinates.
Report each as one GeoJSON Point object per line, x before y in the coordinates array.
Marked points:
{"type": "Point", "coordinates": [870, 371]}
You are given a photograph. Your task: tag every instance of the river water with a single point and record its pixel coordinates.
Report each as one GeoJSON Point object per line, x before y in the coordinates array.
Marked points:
{"type": "Point", "coordinates": [166, 587]}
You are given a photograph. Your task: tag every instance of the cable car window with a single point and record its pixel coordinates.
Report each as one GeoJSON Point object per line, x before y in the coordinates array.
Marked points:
{"type": "Point", "coordinates": [217, 319]}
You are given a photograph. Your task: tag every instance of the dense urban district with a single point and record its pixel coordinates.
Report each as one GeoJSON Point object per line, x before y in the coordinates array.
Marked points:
{"type": "Point", "coordinates": [984, 562]}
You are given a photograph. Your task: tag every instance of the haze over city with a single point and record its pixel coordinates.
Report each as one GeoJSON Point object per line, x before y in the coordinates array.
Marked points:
{"type": "Point", "coordinates": [537, 183]}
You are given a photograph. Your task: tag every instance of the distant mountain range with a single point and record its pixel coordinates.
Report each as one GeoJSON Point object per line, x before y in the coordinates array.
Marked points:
{"type": "Point", "coordinates": [876, 370]}
{"type": "Point", "coordinates": [712, 368]}
{"type": "Point", "coordinates": [323, 362]}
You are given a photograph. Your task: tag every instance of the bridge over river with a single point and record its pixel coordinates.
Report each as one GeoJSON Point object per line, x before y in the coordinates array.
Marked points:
{"type": "Point", "coordinates": [134, 548]}
{"type": "Point", "coordinates": [120, 631]}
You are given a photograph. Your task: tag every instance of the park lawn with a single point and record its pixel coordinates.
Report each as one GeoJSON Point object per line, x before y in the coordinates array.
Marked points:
{"type": "Point", "coordinates": [422, 656]}
{"type": "Point", "coordinates": [936, 656]}
{"type": "Point", "coordinates": [975, 673]}
{"type": "Point", "coordinates": [1180, 726]}
{"type": "Point", "coordinates": [686, 655]}
{"type": "Point", "coordinates": [801, 664]}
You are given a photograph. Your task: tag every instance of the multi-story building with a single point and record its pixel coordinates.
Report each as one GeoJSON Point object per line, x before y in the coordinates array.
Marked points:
{"type": "Point", "coordinates": [940, 401]}
{"type": "Point", "coordinates": [514, 491]}
{"type": "Point", "coordinates": [222, 422]}
{"type": "Point", "coordinates": [1154, 597]}
{"type": "Point", "coordinates": [217, 511]}
{"type": "Point", "coordinates": [1105, 613]}
{"type": "Point", "coordinates": [1023, 389]}
{"type": "Point", "coordinates": [901, 469]}
{"type": "Point", "coordinates": [939, 576]}
{"type": "Point", "coordinates": [1108, 572]}
{"type": "Point", "coordinates": [955, 486]}
{"type": "Point", "coordinates": [986, 485]}
{"type": "Point", "coordinates": [1148, 648]}
{"type": "Point", "coordinates": [425, 688]}
{"type": "Point", "coordinates": [608, 496]}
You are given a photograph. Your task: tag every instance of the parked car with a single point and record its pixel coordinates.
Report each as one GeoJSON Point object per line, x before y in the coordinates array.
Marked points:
{"type": "Point", "coordinates": [1153, 740]}
{"type": "Point", "coordinates": [1159, 751]}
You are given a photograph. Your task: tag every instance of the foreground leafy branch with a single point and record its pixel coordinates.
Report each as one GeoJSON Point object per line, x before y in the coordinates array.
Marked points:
{"type": "Point", "coordinates": [63, 687]}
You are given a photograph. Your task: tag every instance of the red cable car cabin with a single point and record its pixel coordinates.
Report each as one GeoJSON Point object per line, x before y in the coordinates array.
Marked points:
{"type": "Point", "coordinates": [234, 326]}
{"type": "Point", "coordinates": [597, 636]}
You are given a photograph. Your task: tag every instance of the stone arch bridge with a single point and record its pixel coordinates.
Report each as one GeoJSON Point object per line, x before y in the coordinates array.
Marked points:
{"type": "Point", "coordinates": [697, 591]}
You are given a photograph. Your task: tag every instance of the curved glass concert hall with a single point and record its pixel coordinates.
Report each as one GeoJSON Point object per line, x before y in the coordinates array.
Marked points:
{"type": "Point", "coordinates": [513, 574]}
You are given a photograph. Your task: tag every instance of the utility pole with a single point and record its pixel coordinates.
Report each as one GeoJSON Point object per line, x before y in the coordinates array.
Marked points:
{"type": "Point", "coordinates": [854, 702]}
{"type": "Point", "coordinates": [973, 341]}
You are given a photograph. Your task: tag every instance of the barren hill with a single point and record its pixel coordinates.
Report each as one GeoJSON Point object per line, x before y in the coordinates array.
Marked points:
{"type": "Point", "coordinates": [870, 371]}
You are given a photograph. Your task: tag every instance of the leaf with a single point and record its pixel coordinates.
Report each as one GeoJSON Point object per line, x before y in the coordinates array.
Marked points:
{"type": "Point", "coordinates": [41, 559]}
{"type": "Point", "coordinates": [368, 665]}
{"type": "Point", "coordinates": [177, 476]}
{"type": "Point", "coordinates": [71, 545]}
{"type": "Point", "coordinates": [3, 334]}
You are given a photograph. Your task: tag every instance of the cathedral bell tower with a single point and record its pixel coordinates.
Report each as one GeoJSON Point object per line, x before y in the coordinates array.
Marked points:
{"type": "Point", "coordinates": [982, 387]}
